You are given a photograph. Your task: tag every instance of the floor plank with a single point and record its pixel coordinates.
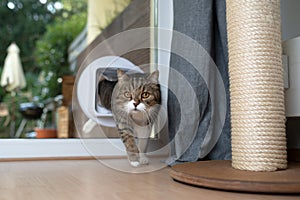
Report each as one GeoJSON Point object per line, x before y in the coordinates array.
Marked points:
{"type": "Point", "coordinates": [90, 179]}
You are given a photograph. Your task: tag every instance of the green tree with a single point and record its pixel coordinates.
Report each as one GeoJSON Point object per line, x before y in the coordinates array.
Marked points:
{"type": "Point", "coordinates": [24, 22]}
{"type": "Point", "coordinates": [52, 51]}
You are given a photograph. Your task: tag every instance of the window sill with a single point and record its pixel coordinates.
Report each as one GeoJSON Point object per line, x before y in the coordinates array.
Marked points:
{"type": "Point", "coordinates": [59, 148]}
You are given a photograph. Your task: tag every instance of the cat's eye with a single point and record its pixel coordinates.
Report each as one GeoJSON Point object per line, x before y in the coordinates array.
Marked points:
{"type": "Point", "coordinates": [127, 94]}
{"type": "Point", "coordinates": [145, 95]}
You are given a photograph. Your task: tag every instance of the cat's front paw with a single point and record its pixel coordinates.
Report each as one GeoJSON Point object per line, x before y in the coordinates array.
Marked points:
{"type": "Point", "coordinates": [133, 159]}
{"type": "Point", "coordinates": [134, 163]}
{"type": "Point", "coordinates": [144, 160]}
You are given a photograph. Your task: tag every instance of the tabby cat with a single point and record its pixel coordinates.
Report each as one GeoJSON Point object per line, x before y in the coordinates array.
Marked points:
{"type": "Point", "coordinates": [135, 102]}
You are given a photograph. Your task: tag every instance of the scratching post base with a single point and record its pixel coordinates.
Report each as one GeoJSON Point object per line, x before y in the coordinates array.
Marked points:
{"type": "Point", "coordinates": [220, 175]}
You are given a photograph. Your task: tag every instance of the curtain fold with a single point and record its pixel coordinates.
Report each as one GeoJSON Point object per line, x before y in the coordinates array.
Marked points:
{"type": "Point", "coordinates": [205, 22]}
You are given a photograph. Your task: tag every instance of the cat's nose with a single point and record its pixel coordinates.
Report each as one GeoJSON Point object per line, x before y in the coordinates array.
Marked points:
{"type": "Point", "coordinates": [136, 103]}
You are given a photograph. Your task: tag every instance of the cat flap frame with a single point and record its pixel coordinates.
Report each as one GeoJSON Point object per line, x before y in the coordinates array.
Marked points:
{"type": "Point", "coordinates": [88, 85]}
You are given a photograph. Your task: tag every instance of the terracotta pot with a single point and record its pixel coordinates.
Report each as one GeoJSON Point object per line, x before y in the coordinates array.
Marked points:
{"type": "Point", "coordinates": [45, 133]}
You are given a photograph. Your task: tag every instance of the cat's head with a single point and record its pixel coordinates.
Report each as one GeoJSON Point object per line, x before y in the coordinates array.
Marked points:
{"type": "Point", "coordinates": [137, 93]}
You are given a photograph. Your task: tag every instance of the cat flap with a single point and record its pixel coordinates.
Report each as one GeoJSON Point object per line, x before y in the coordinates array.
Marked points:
{"type": "Point", "coordinates": [87, 82]}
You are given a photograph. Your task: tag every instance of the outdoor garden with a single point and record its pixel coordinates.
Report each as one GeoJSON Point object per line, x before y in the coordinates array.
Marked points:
{"type": "Point", "coordinates": [42, 30]}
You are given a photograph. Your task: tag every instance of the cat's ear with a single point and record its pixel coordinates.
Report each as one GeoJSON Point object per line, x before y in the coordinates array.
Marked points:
{"type": "Point", "coordinates": [153, 77]}
{"type": "Point", "coordinates": [121, 75]}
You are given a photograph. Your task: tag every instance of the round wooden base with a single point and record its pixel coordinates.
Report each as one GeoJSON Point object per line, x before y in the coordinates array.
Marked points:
{"type": "Point", "coordinates": [220, 175]}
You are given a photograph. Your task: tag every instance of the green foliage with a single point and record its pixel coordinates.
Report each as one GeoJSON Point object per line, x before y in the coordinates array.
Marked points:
{"type": "Point", "coordinates": [52, 51]}
{"type": "Point", "coordinates": [24, 24]}
{"type": "Point", "coordinates": [30, 23]}
{"type": "Point", "coordinates": [2, 92]}
{"type": "Point", "coordinates": [13, 102]}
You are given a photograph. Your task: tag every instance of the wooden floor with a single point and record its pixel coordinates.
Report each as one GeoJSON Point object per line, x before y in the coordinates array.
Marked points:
{"type": "Point", "coordinates": [89, 179]}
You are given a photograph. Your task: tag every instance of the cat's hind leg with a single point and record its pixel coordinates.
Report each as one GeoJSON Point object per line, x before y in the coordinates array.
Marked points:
{"type": "Point", "coordinates": [142, 146]}
{"type": "Point", "coordinates": [143, 134]}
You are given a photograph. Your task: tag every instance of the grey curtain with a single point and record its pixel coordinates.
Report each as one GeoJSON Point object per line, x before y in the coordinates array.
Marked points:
{"type": "Point", "coordinates": [205, 22]}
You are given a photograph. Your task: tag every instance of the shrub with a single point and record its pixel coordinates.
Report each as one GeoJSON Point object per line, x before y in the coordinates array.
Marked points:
{"type": "Point", "coordinates": [52, 52]}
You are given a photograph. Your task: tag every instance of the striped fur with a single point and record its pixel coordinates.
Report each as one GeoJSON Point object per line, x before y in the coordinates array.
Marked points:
{"type": "Point", "coordinates": [135, 103]}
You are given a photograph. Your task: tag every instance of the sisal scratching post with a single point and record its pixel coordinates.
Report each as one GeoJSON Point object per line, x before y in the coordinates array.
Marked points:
{"type": "Point", "coordinates": [256, 85]}
{"type": "Point", "coordinates": [257, 108]}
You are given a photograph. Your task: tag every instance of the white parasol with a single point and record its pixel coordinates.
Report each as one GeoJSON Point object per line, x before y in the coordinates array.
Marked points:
{"type": "Point", "coordinates": [12, 77]}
